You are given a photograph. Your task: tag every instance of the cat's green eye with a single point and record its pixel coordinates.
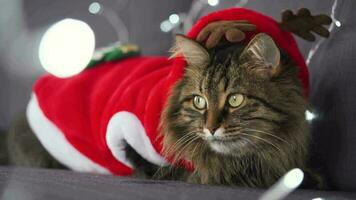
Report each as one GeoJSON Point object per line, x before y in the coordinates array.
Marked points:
{"type": "Point", "coordinates": [199, 102]}
{"type": "Point", "coordinates": [236, 100]}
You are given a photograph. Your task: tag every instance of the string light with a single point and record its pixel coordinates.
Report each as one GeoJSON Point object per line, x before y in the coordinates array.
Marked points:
{"type": "Point", "coordinates": [309, 115]}
{"type": "Point", "coordinates": [166, 26]}
{"type": "Point", "coordinates": [174, 18]}
{"type": "Point", "coordinates": [241, 3]}
{"type": "Point", "coordinates": [284, 186]}
{"type": "Point", "coordinates": [184, 21]}
{"type": "Point", "coordinates": [95, 8]}
{"type": "Point", "coordinates": [293, 178]}
{"type": "Point", "coordinates": [169, 24]}
{"type": "Point", "coordinates": [113, 18]}
{"type": "Point", "coordinates": [213, 2]}
{"type": "Point", "coordinates": [336, 23]}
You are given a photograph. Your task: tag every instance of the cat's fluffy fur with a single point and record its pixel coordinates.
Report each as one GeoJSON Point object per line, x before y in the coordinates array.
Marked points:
{"type": "Point", "coordinates": [263, 139]}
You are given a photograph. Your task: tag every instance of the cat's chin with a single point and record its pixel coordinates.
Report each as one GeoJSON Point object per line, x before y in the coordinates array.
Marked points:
{"type": "Point", "coordinates": [227, 147]}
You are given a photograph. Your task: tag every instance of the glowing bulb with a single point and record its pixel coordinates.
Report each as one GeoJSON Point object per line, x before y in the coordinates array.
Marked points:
{"type": "Point", "coordinates": [309, 115]}
{"type": "Point", "coordinates": [285, 185]}
{"type": "Point", "coordinates": [166, 26]}
{"type": "Point", "coordinates": [94, 8]}
{"type": "Point", "coordinates": [338, 23]}
{"type": "Point", "coordinates": [318, 198]}
{"type": "Point", "coordinates": [67, 47]}
{"type": "Point", "coordinates": [213, 2]}
{"type": "Point", "coordinates": [174, 18]}
{"type": "Point", "coordinates": [293, 178]}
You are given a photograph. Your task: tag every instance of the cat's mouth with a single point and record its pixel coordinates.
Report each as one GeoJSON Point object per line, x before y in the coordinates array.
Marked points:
{"type": "Point", "coordinates": [218, 139]}
{"type": "Point", "coordinates": [223, 139]}
{"type": "Point", "coordinates": [226, 145]}
{"type": "Point", "coordinates": [222, 143]}
{"type": "Point", "coordinates": [218, 136]}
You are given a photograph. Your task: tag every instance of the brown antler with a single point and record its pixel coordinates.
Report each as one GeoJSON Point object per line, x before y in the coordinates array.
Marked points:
{"type": "Point", "coordinates": [232, 30]}
{"type": "Point", "coordinates": [303, 23]}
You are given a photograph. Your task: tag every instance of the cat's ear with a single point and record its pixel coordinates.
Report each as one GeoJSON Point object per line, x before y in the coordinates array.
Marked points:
{"type": "Point", "coordinates": [195, 54]}
{"type": "Point", "coordinates": [261, 56]}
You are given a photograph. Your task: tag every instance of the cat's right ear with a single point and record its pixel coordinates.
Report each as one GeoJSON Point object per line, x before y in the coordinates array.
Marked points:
{"type": "Point", "coordinates": [195, 54]}
{"type": "Point", "coordinates": [261, 56]}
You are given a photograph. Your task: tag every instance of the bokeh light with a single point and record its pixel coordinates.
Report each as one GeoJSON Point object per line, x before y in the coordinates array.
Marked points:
{"type": "Point", "coordinates": [309, 115]}
{"type": "Point", "coordinates": [95, 8]}
{"type": "Point", "coordinates": [166, 26]}
{"type": "Point", "coordinates": [174, 18]}
{"type": "Point", "coordinates": [67, 47]}
{"type": "Point", "coordinates": [293, 178]}
{"type": "Point", "coordinates": [213, 2]}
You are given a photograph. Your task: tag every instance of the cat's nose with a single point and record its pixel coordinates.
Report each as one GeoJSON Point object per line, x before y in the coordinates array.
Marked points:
{"type": "Point", "coordinates": [212, 129]}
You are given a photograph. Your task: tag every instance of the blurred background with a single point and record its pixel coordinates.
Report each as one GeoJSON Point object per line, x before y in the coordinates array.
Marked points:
{"type": "Point", "coordinates": [31, 39]}
{"type": "Point", "coordinates": [150, 24]}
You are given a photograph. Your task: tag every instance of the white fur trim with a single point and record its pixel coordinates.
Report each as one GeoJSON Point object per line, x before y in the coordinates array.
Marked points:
{"type": "Point", "coordinates": [56, 144]}
{"type": "Point", "coordinates": [126, 127]}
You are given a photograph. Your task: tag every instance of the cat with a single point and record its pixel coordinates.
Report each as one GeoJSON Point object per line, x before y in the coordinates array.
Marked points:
{"type": "Point", "coordinates": [237, 115]}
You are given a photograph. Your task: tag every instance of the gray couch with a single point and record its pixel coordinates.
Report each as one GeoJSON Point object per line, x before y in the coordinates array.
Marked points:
{"type": "Point", "coordinates": [332, 95]}
{"type": "Point", "coordinates": [22, 183]}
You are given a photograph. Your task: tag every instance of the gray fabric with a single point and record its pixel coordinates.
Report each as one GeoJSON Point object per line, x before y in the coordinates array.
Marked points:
{"type": "Point", "coordinates": [333, 95]}
{"type": "Point", "coordinates": [23, 184]}
{"type": "Point", "coordinates": [332, 76]}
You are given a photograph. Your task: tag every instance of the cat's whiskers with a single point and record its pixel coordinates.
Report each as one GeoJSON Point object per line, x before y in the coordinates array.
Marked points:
{"type": "Point", "coordinates": [185, 136]}
{"type": "Point", "coordinates": [257, 131]}
{"type": "Point", "coordinates": [195, 148]}
{"type": "Point", "coordinates": [185, 142]}
{"type": "Point", "coordinates": [182, 149]}
{"type": "Point", "coordinates": [179, 146]}
{"type": "Point", "coordinates": [267, 133]}
{"type": "Point", "coordinates": [181, 140]}
{"type": "Point", "coordinates": [249, 141]}
{"type": "Point", "coordinates": [172, 147]}
{"type": "Point", "coordinates": [188, 142]}
{"type": "Point", "coordinates": [257, 137]}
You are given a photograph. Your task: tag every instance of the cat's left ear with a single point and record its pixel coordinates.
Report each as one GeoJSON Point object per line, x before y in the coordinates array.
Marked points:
{"type": "Point", "coordinates": [195, 54]}
{"type": "Point", "coordinates": [261, 57]}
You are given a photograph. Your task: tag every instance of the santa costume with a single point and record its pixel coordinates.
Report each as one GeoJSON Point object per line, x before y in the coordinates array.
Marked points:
{"type": "Point", "coordinates": [85, 121]}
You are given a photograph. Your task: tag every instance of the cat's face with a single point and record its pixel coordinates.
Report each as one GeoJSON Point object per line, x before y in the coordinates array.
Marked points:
{"type": "Point", "coordinates": [233, 106]}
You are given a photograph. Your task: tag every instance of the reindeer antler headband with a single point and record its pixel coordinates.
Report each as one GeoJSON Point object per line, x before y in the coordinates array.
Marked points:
{"type": "Point", "coordinates": [301, 24]}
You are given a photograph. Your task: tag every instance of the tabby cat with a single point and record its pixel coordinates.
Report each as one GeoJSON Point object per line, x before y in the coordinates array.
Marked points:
{"type": "Point", "coordinates": [238, 114]}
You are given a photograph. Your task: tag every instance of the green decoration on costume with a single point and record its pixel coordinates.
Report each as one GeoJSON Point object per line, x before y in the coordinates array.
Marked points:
{"type": "Point", "coordinates": [114, 53]}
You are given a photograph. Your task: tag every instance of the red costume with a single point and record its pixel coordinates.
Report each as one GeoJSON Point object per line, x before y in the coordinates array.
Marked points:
{"type": "Point", "coordinates": [84, 120]}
